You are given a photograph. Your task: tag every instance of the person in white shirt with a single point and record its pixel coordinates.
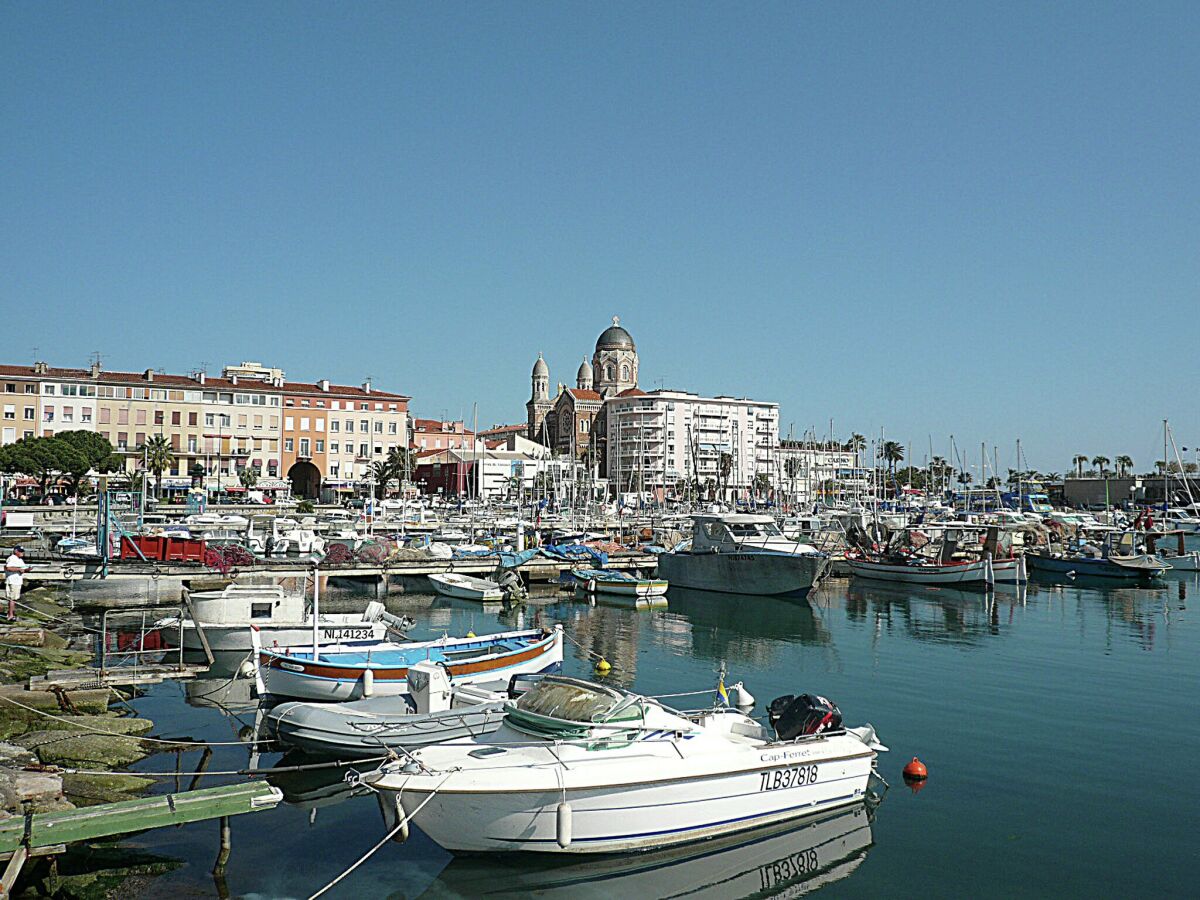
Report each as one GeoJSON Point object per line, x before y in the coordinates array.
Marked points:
{"type": "Point", "coordinates": [14, 576]}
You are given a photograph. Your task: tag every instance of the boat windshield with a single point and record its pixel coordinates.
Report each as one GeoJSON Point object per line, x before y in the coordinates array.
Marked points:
{"type": "Point", "coordinates": [570, 701]}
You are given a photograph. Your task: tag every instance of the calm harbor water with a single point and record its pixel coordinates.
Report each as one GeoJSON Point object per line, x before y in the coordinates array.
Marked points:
{"type": "Point", "coordinates": [1059, 724]}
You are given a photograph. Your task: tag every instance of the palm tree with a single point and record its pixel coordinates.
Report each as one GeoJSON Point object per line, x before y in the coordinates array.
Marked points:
{"type": "Point", "coordinates": [964, 477]}
{"type": "Point", "coordinates": [762, 484]}
{"type": "Point", "coordinates": [248, 476]}
{"type": "Point", "coordinates": [382, 471]}
{"type": "Point", "coordinates": [1079, 462]}
{"type": "Point", "coordinates": [893, 452]}
{"type": "Point", "coordinates": [1124, 464]}
{"type": "Point", "coordinates": [791, 468]}
{"type": "Point", "coordinates": [856, 443]}
{"type": "Point", "coordinates": [724, 467]}
{"type": "Point", "coordinates": [1100, 462]}
{"type": "Point", "coordinates": [159, 458]}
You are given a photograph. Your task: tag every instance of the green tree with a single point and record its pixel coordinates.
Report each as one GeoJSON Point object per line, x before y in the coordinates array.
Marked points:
{"type": "Point", "coordinates": [892, 452]}
{"type": "Point", "coordinates": [248, 476]}
{"type": "Point", "coordinates": [1100, 462]}
{"type": "Point", "coordinates": [856, 443]}
{"type": "Point", "coordinates": [382, 472]}
{"type": "Point", "coordinates": [1124, 465]}
{"type": "Point", "coordinates": [159, 457]}
{"type": "Point", "coordinates": [92, 453]}
{"type": "Point", "coordinates": [1079, 461]}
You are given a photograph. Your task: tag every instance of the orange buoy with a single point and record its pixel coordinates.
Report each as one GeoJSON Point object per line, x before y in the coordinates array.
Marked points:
{"type": "Point", "coordinates": [915, 771]}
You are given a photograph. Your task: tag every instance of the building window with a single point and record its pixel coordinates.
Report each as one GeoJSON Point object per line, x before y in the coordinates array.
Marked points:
{"type": "Point", "coordinates": [158, 417]}
{"type": "Point", "coordinates": [364, 450]}
{"type": "Point", "coordinates": [31, 389]}
{"type": "Point", "coordinates": [349, 426]}
{"type": "Point", "coordinates": [335, 426]}
{"type": "Point", "coordinates": [289, 424]}
{"type": "Point", "coordinates": [320, 446]}
{"type": "Point", "coordinates": [288, 445]}
{"type": "Point", "coordinates": [85, 415]}
{"type": "Point", "coordinates": [10, 389]}
{"type": "Point", "coordinates": [364, 426]}
{"type": "Point", "coordinates": [30, 412]}
{"type": "Point", "coordinates": [379, 427]}
{"type": "Point", "coordinates": [333, 470]}
{"type": "Point", "coordinates": [10, 412]}
{"type": "Point", "coordinates": [304, 447]}
{"type": "Point", "coordinates": [334, 446]}
{"type": "Point", "coordinates": [210, 419]}
{"type": "Point", "coordinates": [392, 427]}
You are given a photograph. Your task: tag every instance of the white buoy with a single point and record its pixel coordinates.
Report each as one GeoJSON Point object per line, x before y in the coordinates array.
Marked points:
{"type": "Point", "coordinates": [368, 683]}
{"type": "Point", "coordinates": [989, 574]}
{"type": "Point", "coordinates": [247, 669]}
{"type": "Point", "coordinates": [563, 832]}
{"type": "Point", "coordinates": [741, 699]}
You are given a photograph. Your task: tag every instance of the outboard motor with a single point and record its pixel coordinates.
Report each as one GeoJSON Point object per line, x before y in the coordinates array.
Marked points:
{"type": "Point", "coordinates": [794, 717]}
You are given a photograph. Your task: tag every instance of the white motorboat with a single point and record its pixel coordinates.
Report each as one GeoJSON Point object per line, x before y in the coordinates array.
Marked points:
{"type": "Point", "coordinates": [965, 572]}
{"type": "Point", "coordinates": [227, 617]}
{"type": "Point", "coordinates": [790, 859]}
{"type": "Point", "coordinates": [742, 554]}
{"type": "Point", "coordinates": [464, 587]}
{"type": "Point", "coordinates": [579, 767]}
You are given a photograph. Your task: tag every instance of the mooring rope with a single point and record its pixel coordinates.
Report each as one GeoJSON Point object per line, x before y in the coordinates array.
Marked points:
{"type": "Point", "coordinates": [404, 820]}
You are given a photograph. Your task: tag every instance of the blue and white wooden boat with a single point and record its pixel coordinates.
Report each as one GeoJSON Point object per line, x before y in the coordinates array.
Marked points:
{"type": "Point", "coordinates": [338, 674]}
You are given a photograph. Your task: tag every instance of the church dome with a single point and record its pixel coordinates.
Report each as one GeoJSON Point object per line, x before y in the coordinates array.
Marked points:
{"type": "Point", "coordinates": [615, 338]}
{"type": "Point", "coordinates": [540, 367]}
{"type": "Point", "coordinates": [584, 376]}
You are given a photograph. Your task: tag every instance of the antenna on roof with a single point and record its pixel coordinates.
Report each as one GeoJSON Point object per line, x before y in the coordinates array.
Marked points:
{"type": "Point", "coordinates": [35, 353]}
{"type": "Point", "coordinates": [203, 367]}
{"type": "Point", "coordinates": [96, 358]}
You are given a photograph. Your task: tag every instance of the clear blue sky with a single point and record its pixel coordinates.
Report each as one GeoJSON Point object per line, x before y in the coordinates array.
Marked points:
{"type": "Point", "coordinates": [978, 219]}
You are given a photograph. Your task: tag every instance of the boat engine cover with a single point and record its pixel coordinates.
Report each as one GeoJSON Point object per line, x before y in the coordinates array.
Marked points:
{"type": "Point", "coordinates": [795, 717]}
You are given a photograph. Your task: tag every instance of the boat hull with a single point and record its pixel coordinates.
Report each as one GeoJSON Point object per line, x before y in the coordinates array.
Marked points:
{"type": "Point", "coordinates": [1088, 567]}
{"type": "Point", "coordinates": [301, 678]}
{"type": "Point", "coordinates": [634, 816]}
{"type": "Point", "coordinates": [965, 573]}
{"type": "Point", "coordinates": [237, 637]}
{"type": "Point", "coordinates": [764, 574]}
{"type": "Point", "coordinates": [327, 730]}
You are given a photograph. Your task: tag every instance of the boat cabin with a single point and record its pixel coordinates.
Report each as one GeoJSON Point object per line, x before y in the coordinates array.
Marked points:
{"type": "Point", "coordinates": [242, 603]}
{"type": "Point", "coordinates": [741, 533]}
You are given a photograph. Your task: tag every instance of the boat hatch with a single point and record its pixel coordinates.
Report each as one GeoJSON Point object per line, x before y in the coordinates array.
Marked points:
{"type": "Point", "coordinates": [487, 751]}
{"type": "Point", "coordinates": [260, 610]}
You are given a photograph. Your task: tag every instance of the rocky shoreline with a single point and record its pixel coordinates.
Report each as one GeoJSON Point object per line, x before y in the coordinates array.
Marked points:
{"type": "Point", "coordinates": [45, 732]}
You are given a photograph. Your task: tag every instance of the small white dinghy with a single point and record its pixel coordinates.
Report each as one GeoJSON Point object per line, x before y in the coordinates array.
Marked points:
{"type": "Point", "coordinates": [464, 587]}
{"type": "Point", "coordinates": [579, 767]}
{"type": "Point", "coordinates": [621, 584]}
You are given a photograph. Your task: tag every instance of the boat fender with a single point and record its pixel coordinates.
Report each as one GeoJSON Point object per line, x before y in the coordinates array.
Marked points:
{"type": "Point", "coordinates": [368, 683]}
{"type": "Point", "coordinates": [563, 825]}
{"type": "Point", "coordinates": [603, 667]}
{"type": "Point", "coordinates": [591, 585]}
{"type": "Point", "coordinates": [401, 833]}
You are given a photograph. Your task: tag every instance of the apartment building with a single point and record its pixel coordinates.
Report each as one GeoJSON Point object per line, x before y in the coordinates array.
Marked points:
{"type": "Point", "coordinates": [250, 417]}
{"type": "Point", "coordinates": [658, 441]}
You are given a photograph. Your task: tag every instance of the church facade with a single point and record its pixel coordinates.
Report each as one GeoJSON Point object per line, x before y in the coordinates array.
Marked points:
{"type": "Point", "coordinates": [572, 422]}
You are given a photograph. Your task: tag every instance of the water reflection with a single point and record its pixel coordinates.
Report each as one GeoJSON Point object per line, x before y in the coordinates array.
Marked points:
{"type": "Point", "coordinates": [741, 627]}
{"type": "Point", "coordinates": [933, 613]}
{"type": "Point", "coordinates": [793, 858]}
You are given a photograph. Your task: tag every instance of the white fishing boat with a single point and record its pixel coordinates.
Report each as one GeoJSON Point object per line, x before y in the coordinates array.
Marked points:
{"type": "Point", "coordinates": [742, 554]}
{"type": "Point", "coordinates": [282, 618]}
{"type": "Point", "coordinates": [578, 767]}
{"type": "Point", "coordinates": [965, 572]}
{"type": "Point", "coordinates": [465, 587]}
{"type": "Point", "coordinates": [337, 674]}
{"type": "Point", "coordinates": [621, 584]}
